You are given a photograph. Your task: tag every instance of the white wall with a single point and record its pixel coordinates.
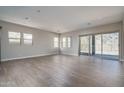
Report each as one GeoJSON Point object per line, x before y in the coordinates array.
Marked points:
{"type": "Point", "coordinates": [0, 45]}
{"type": "Point", "coordinates": [42, 42]}
{"type": "Point", "coordinates": [94, 30]}
{"type": "Point", "coordinates": [122, 41]}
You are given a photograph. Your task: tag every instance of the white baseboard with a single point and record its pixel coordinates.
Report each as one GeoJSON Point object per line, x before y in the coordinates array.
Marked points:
{"type": "Point", "coordinates": [70, 54]}
{"type": "Point", "coordinates": [122, 60]}
{"type": "Point", "coordinates": [3, 60]}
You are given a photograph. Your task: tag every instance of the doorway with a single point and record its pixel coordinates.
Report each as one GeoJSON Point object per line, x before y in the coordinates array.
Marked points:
{"type": "Point", "coordinates": [105, 45]}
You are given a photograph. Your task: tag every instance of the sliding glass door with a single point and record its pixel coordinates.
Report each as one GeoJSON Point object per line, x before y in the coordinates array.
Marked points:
{"type": "Point", "coordinates": [111, 44]}
{"type": "Point", "coordinates": [86, 45]}
{"type": "Point", "coordinates": [98, 44]}
{"type": "Point", "coordinates": [105, 45]}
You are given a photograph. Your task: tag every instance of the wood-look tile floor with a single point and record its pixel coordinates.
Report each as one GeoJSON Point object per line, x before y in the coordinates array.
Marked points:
{"type": "Point", "coordinates": [62, 71]}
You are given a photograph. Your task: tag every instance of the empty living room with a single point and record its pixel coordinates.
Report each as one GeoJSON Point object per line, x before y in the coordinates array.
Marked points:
{"type": "Point", "coordinates": [61, 46]}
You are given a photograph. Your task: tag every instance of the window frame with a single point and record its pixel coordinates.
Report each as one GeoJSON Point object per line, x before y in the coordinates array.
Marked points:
{"type": "Point", "coordinates": [56, 42]}
{"type": "Point", "coordinates": [14, 38]}
{"type": "Point", "coordinates": [64, 42]}
{"type": "Point", "coordinates": [69, 42]}
{"type": "Point", "coordinates": [23, 36]}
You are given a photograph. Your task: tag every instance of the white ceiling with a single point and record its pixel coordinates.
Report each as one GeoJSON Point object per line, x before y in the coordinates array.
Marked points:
{"type": "Point", "coordinates": [61, 18]}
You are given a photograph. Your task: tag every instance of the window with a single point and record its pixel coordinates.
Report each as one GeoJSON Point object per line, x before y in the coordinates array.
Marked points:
{"type": "Point", "coordinates": [64, 42]}
{"type": "Point", "coordinates": [56, 42]}
{"type": "Point", "coordinates": [14, 37]}
{"type": "Point", "coordinates": [27, 39]}
{"type": "Point", "coordinates": [69, 42]}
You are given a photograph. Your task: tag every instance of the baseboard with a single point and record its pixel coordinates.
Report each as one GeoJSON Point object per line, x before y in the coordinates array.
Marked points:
{"type": "Point", "coordinates": [3, 60]}
{"type": "Point", "coordinates": [122, 60]}
{"type": "Point", "coordinates": [70, 54]}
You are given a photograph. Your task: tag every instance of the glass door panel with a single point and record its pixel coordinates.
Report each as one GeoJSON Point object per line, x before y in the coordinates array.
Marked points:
{"type": "Point", "coordinates": [98, 44]}
{"type": "Point", "coordinates": [111, 44]}
{"type": "Point", "coordinates": [84, 44]}
{"type": "Point", "coordinates": [107, 45]}
{"type": "Point", "coordinates": [91, 44]}
{"type": "Point", "coordinates": [104, 45]}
